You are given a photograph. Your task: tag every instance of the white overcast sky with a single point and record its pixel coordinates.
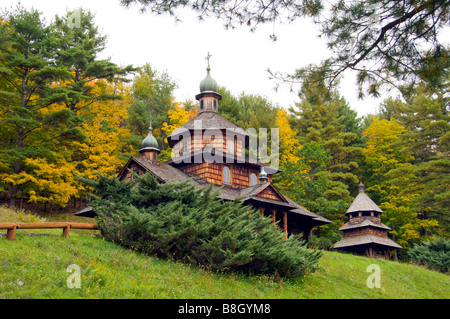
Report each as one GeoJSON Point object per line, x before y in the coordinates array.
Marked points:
{"type": "Point", "coordinates": [239, 59]}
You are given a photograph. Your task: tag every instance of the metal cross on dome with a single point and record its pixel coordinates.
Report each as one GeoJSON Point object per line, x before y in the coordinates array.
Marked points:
{"type": "Point", "coordinates": [208, 57]}
{"type": "Point", "coordinates": [150, 124]}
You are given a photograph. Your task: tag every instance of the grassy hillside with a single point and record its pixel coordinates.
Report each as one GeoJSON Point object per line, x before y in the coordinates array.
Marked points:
{"type": "Point", "coordinates": [36, 267]}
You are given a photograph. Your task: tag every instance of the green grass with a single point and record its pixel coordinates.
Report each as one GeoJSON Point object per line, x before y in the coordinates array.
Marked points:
{"type": "Point", "coordinates": [36, 267]}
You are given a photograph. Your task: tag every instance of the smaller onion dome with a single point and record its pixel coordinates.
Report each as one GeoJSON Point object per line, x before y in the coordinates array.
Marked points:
{"type": "Point", "coordinates": [262, 175]}
{"type": "Point", "coordinates": [150, 142]}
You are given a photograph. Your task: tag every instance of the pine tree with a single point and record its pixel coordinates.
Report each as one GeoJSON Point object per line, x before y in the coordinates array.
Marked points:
{"type": "Point", "coordinates": [317, 120]}
{"type": "Point", "coordinates": [397, 44]}
{"type": "Point", "coordinates": [247, 110]}
{"type": "Point", "coordinates": [427, 121]}
{"type": "Point", "coordinates": [30, 119]}
{"type": "Point", "coordinates": [307, 181]}
{"type": "Point", "coordinates": [48, 74]}
{"type": "Point", "coordinates": [385, 154]}
{"type": "Point", "coordinates": [76, 48]}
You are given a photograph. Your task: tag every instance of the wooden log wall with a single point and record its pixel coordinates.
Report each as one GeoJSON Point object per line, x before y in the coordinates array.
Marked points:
{"type": "Point", "coordinates": [269, 193]}
{"type": "Point", "coordinates": [365, 230]}
{"type": "Point", "coordinates": [213, 173]}
{"type": "Point", "coordinates": [220, 143]}
{"type": "Point", "coordinates": [360, 219]}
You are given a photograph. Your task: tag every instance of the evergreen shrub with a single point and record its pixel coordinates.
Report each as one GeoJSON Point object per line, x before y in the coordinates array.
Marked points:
{"type": "Point", "coordinates": [179, 222]}
{"type": "Point", "coordinates": [433, 254]}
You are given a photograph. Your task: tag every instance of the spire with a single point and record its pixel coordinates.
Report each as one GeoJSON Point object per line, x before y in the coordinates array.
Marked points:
{"type": "Point", "coordinates": [150, 129]}
{"type": "Point", "coordinates": [150, 147]}
{"type": "Point", "coordinates": [208, 84]}
{"type": "Point", "coordinates": [363, 203]}
{"type": "Point", "coordinates": [361, 187]}
{"type": "Point", "coordinates": [208, 96]}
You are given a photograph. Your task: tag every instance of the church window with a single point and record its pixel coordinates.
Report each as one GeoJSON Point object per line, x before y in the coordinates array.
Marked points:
{"type": "Point", "coordinates": [226, 175]}
{"type": "Point", "coordinates": [230, 146]}
{"type": "Point", "coordinates": [184, 147]}
{"type": "Point", "coordinates": [253, 180]}
{"type": "Point", "coordinates": [201, 105]}
{"type": "Point", "coordinates": [215, 104]}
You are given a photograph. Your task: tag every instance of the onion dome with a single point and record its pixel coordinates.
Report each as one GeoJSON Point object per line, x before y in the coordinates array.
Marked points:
{"type": "Point", "coordinates": [208, 84]}
{"type": "Point", "coordinates": [262, 175]}
{"type": "Point", "coordinates": [150, 142]}
{"type": "Point", "coordinates": [208, 92]}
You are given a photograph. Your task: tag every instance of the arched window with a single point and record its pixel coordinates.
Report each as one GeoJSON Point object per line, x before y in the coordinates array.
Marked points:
{"type": "Point", "coordinates": [253, 180]}
{"type": "Point", "coordinates": [201, 105]}
{"type": "Point", "coordinates": [226, 175]}
{"type": "Point", "coordinates": [185, 147]}
{"type": "Point", "coordinates": [215, 104]}
{"type": "Point", "coordinates": [231, 147]}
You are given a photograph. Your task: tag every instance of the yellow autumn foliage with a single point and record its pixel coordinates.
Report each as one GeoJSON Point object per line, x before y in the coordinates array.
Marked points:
{"type": "Point", "coordinates": [52, 183]}
{"type": "Point", "coordinates": [106, 135]}
{"type": "Point", "coordinates": [177, 118]}
{"type": "Point", "coordinates": [288, 141]}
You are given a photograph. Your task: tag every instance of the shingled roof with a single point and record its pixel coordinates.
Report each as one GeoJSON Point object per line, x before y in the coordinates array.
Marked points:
{"type": "Point", "coordinates": [208, 120]}
{"type": "Point", "coordinates": [162, 171]}
{"type": "Point", "coordinates": [365, 239]}
{"type": "Point", "coordinates": [165, 172]}
{"type": "Point", "coordinates": [365, 223]}
{"type": "Point", "coordinates": [363, 203]}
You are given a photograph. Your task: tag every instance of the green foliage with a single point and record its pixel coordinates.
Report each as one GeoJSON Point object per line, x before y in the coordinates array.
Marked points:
{"type": "Point", "coordinates": [317, 119]}
{"type": "Point", "coordinates": [36, 267]}
{"type": "Point", "coordinates": [427, 121]}
{"type": "Point", "coordinates": [76, 50]}
{"type": "Point", "coordinates": [433, 254]}
{"type": "Point", "coordinates": [153, 96]}
{"type": "Point", "coordinates": [47, 74]}
{"type": "Point", "coordinates": [30, 119]}
{"type": "Point", "coordinates": [247, 110]}
{"type": "Point", "coordinates": [176, 221]}
{"type": "Point", "coordinates": [308, 183]}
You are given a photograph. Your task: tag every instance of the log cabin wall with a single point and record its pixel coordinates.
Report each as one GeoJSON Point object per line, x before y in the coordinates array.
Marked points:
{"type": "Point", "coordinates": [151, 156]}
{"type": "Point", "coordinates": [360, 219]}
{"type": "Point", "coordinates": [213, 173]}
{"type": "Point", "coordinates": [365, 230]}
{"type": "Point", "coordinates": [231, 144]}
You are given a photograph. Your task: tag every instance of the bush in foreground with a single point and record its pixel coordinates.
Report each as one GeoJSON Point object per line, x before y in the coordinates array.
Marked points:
{"type": "Point", "coordinates": [433, 254]}
{"type": "Point", "coordinates": [177, 221]}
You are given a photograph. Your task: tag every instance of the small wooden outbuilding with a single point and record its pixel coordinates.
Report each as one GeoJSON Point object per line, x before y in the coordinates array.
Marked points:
{"type": "Point", "coordinates": [364, 233]}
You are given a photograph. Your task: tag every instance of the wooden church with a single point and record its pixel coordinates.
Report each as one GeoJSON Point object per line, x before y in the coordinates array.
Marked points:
{"type": "Point", "coordinates": [364, 233]}
{"type": "Point", "coordinates": [227, 166]}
